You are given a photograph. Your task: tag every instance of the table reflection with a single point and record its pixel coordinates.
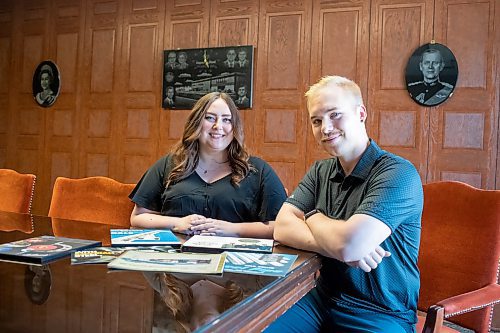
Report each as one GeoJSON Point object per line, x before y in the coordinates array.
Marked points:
{"type": "Point", "coordinates": [185, 302]}
{"type": "Point", "coordinates": [90, 298]}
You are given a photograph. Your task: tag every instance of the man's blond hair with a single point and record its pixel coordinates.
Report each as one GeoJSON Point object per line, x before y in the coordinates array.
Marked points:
{"type": "Point", "coordinates": [339, 81]}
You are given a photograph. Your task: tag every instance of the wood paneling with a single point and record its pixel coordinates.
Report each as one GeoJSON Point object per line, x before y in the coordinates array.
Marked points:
{"type": "Point", "coordinates": [108, 118]}
{"type": "Point", "coordinates": [281, 78]}
{"type": "Point", "coordinates": [397, 28]}
{"type": "Point", "coordinates": [337, 51]}
{"type": "Point", "coordinates": [464, 130]}
{"type": "Point", "coordinates": [101, 54]}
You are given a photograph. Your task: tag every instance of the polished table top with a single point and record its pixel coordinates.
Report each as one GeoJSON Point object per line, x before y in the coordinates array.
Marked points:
{"type": "Point", "coordinates": [89, 298]}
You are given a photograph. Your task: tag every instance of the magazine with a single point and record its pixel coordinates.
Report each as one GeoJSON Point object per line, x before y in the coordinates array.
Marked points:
{"type": "Point", "coordinates": [170, 262]}
{"type": "Point", "coordinates": [218, 244]}
{"type": "Point", "coordinates": [103, 255]}
{"type": "Point", "coordinates": [42, 250]}
{"type": "Point", "coordinates": [134, 237]}
{"type": "Point", "coordinates": [271, 264]}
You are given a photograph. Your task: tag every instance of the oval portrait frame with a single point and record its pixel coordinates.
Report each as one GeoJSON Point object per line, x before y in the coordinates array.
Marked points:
{"type": "Point", "coordinates": [444, 81]}
{"type": "Point", "coordinates": [47, 96]}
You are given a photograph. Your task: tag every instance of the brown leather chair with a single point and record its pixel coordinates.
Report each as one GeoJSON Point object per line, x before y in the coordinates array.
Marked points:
{"type": "Point", "coordinates": [16, 191]}
{"type": "Point", "coordinates": [93, 199]}
{"type": "Point", "coordinates": [459, 256]}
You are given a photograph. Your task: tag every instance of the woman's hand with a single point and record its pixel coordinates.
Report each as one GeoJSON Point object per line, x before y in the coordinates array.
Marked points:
{"type": "Point", "coordinates": [184, 224]}
{"type": "Point", "coordinates": [213, 227]}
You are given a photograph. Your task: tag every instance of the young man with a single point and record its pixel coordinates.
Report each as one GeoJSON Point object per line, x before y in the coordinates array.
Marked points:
{"type": "Point", "coordinates": [230, 61]}
{"type": "Point", "coordinates": [243, 101]}
{"type": "Point", "coordinates": [359, 210]}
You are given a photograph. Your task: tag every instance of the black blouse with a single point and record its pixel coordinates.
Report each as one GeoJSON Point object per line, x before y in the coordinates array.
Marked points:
{"type": "Point", "coordinates": [258, 197]}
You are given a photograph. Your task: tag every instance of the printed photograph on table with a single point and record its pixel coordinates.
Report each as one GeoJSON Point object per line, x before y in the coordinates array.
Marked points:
{"type": "Point", "coordinates": [104, 255]}
{"type": "Point", "coordinates": [271, 264]}
{"type": "Point", "coordinates": [188, 74]}
{"type": "Point", "coordinates": [218, 244]}
{"type": "Point", "coordinates": [431, 74]}
{"type": "Point", "coordinates": [135, 237]}
{"type": "Point", "coordinates": [193, 263]}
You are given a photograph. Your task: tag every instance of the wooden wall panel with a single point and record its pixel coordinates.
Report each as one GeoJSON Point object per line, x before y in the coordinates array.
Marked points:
{"type": "Point", "coordinates": [337, 51]}
{"type": "Point", "coordinates": [186, 26]}
{"type": "Point", "coordinates": [141, 66]}
{"type": "Point", "coordinates": [6, 20]}
{"type": "Point", "coordinates": [496, 110]}
{"type": "Point", "coordinates": [236, 23]}
{"type": "Point", "coordinates": [464, 129]}
{"type": "Point", "coordinates": [396, 122]}
{"type": "Point", "coordinates": [25, 151]}
{"type": "Point", "coordinates": [101, 57]}
{"type": "Point", "coordinates": [283, 61]}
{"type": "Point", "coordinates": [62, 131]}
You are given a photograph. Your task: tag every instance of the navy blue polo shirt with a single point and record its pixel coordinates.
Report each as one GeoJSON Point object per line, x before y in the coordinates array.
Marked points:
{"type": "Point", "coordinates": [384, 186]}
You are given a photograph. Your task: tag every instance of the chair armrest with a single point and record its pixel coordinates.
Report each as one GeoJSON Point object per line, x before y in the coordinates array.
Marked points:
{"type": "Point", "coordinates": [459, 304]}
{"type": "Point", "coordinates": [471, 301]}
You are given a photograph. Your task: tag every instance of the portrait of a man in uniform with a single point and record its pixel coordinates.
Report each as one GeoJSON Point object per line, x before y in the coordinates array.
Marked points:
{"type": "Point", "coordinates": [426, 84]}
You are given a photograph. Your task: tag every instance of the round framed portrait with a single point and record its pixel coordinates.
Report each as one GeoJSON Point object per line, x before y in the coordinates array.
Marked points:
{"type": "Point", "coordinates": [46, 83]}
{"type": "Point", "coordinates": [431, 74]}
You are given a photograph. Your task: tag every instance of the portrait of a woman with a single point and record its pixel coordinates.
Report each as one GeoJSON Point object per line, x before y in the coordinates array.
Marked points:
{"type": "Point", "coordinates": [46, 84]}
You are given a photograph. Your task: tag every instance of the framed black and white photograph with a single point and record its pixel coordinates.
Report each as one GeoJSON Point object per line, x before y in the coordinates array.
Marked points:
{"type": "Point", "coordinates": [188, 74]}
{"type": "Point", "coordinates": [431, 74]}
{"type": "Point", "coordinates": [46, 83]}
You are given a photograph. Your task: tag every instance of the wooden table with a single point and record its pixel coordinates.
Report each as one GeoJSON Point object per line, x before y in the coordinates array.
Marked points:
{"type": "Point", "coordinates": [88, 298]}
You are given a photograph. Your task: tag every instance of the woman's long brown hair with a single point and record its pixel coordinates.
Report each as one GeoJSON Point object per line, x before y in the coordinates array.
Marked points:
{"type": "Point", "coordinates": [178, 298]}
{"type": "Point", "coordinates": [186, 151]}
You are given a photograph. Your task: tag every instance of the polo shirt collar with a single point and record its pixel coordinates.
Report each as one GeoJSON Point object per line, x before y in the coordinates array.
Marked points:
{"type": "Point", "coordinates": [364, 166]}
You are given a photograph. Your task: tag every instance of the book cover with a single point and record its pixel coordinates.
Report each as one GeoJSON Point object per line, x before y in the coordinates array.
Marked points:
{"type": "Point", "coordinates": [218, 244]}
{"type": "Point", "coordinates": [103, 255]}
{"type": "Point", "coordinates": [42, 250]}
{"type": "Point", "coordinates": [197, 263]}
{"type": "Point", "coordinates": [271, 264]}
{"type": "Point", "coordinates": [135, 237]}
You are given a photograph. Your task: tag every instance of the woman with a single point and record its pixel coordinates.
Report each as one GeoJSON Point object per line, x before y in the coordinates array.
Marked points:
{"type": "Point", "coordinates": [46, 96]}
{"type": "Point", "coordinates": [209, 184]}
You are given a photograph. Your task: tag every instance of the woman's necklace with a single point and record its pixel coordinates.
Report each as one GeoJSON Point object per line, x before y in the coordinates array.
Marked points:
{"type": "Point", "coordinates": [205, 171]}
